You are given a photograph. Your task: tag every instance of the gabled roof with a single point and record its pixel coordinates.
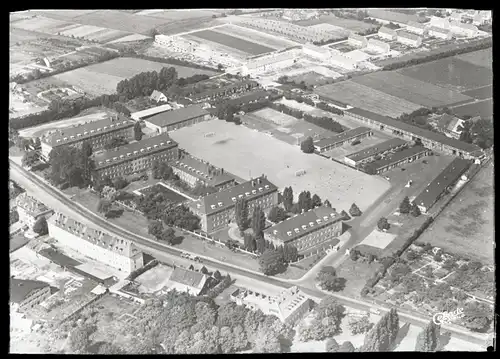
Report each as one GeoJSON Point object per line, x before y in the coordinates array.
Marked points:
{"type": "Point", "coordinates": [187, 277]}
{"type": "Point", "coordinates": [357, 37]}
{"type": "Point", "coordinates": [376, 149]}
{"type": "Point", "coordinates": [344, 136]}
{"type": "Point", "coordinates": [320, 49]}
{"type": "Point", "coordinates": [447, 122]}
{"type": "Point", "coordinates": [202, 170]}
{"type": "Point", "coordinates": [439, 29]}
{"type": "Point", "coordinates": [408, 35]}
{"type": "Point", "coordinates": [31, 205]}
{"type": "Point", "coordinates": [386, 30]}
{"type": "Point", "coordinates": [303, 223]}
{"type": "Point", "coordinates": [177, 116]}
{"type": "Point", "coordinates": [21, 288]}
{"type": "Point", "coordinates": [396, 157]}
{"type": "Point", "coordinates": [463, 25]}
{"type": "Point", "coordinates": [157, 96]}
{"type": "Point", "coordinates": [151, 111]}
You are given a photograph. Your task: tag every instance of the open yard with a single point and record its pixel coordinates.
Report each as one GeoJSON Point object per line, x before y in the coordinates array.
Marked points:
{"type": "Point", "coordinates": [451, 72]}
{"type": "Point", "coordinates": [240, 44]}
{"type": "Point", "coordinates": [364, 97]}
{"type": "Point", "coordinates": [466, 226]}
{"type": "Point", "coordinates": [102, 78]}
{"type": "Point", "coordinates": [310, 78]}
{"type": "Point", "coordinates": [480, 108]}
{"type": "Point", "coordinates": [410, 89]}
{"type": "Point", "coordinates": [348, 24]}
{"type": "Point", "coordinates": [253, 153]}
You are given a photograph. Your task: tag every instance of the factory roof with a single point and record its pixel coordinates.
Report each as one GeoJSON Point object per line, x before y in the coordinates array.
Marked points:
{"type": "Point", "coordinates": [375, 150]}
{"type": "Point", "coordinates": [177, 116]}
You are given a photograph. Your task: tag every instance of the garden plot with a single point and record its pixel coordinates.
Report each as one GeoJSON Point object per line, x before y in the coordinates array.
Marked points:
{"type": "Point", "coordinates": [336, 32]}
{"type": "Point", "coordinates": [82, 31]}
{"type": "Point", "coordinates": [345, 24]}
{"type": "Point", "coordinates": [254, 153]}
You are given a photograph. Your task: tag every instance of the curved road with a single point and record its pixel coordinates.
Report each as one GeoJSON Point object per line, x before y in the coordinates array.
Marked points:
{"type": "Point", "coordinates": [159, 247]}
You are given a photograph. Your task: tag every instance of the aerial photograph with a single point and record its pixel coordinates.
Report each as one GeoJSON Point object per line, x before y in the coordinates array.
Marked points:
{"type": "Point", "coordinates": [234, 181]}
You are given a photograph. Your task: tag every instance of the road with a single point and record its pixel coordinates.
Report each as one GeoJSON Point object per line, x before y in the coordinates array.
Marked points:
{"type": "Point", "coordinates": [29, 180]}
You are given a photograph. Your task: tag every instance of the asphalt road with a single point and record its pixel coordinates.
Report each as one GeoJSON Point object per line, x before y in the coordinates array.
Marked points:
{"type": "Point", "coordinates": [152, 247]}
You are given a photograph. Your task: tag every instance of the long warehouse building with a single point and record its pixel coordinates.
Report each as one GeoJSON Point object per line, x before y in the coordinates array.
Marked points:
{"type": "Point", "coordinates": [326, 144]}
{"type": "Point", "coordinates": [173, 120]}
{"type": "Point", "coordinates": [366, 155]}
{"type": "Point", "coordinates": [399, 158]}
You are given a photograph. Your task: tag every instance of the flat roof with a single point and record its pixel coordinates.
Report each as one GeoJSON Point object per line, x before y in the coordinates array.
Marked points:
{"type": "Point", "coordinates": [417, 131]}
{"type": "Point", "coordinates": [374, 150]}
{"type": "Point", "coordinates": [303, 223]}
{"type": "Point", "coordinates": [398, 156]}
{"type": "Point", "coordinates": [447, 177]}
{"type": "Point", "coordinates": [151, 111]}
{"type": "Point", "coordinates": [134, 150]}
{"type": "Point", "coordinates": [344, 136]}
{"type": "Point", "coordinates": [177, 116]}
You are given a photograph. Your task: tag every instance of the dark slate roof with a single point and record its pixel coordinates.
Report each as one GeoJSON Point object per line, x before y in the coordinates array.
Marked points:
{"type": "Point", "coordinates": [374, 150]}
{"type": "Point", "coordinates": [200, 169]}
{"type": "Point", "coordinates": [344, 136]}
{"type": "Point", "coordinates": [446, 178]}
{"type": "Point", "coordinates": [418, 132]}
{"type": "Point", "coordinates": [398, 156]}
{"type": "Point", "coordinates": [21, 288]}
{"type": "Point", "coordinates": [188, 277]}
{"type": "Point", "coordinates": [176, 116]}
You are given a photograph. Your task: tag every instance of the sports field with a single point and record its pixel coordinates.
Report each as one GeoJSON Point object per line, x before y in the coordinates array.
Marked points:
{"type": "Point", "coordinates": [255, 36]}
{"type": "Point", "coordinates": [233, 42]}
{"type": "Point", "coordinates": [466, 226]}
{"type": "Point", "coordinates": [483, 109]}
{"type": "Point", "coordinates": [102, 78]}
{"type": "Point", "coordinates": [452, 73]}
{"type": "Point", "coordinates": [364, 97]}
{"type": "Point", "coordinates": [248, 153]}
{"type": "Point", "coordinates": [410, 89]}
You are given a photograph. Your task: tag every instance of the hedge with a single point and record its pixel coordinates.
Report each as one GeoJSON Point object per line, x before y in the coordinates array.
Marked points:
{"type": "Point", "coordinates": [219, 288]}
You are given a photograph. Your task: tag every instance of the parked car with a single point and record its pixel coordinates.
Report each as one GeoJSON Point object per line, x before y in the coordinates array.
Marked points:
{"type": "Point", "coordinates": [374, 311]}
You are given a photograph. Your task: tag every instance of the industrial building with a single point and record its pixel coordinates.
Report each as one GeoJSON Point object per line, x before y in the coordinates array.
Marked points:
{"type": "Point", "coordinates": [271, 62]}
{"type": "Point", "coordinates": [97, 134]}
{"type": "Point", "coordinates": [409, 39]}
{"type": "Point", "coordinates": [194, 171]}
{"type": "Point", "coordinates": [416, 28]}
{"type": "Point", "coordinates": [26, 294]}
{"type": "Point", "coordinates": [318, 52]}
{"type": "Point", "coordinates": [396, 159]}
{"type": "Point", "coordinates": [141, 115]}
{"type": "Point", "coordinates": [462, 29]}
{"type": "Point", "coordinates": [388, 34]}
{"type": "Point", "coordinates": [368, 154]}
{"type": "Point", "coordinates": [173, 120]}
{"type": "Point", "coordinates": [289, 306]}
{"type": "Point", "coordinates": [135, 157]}
{"type": "Point", "coordinates": [440, 33]}
{"type": "Point", "coordinates": [443, 182]}
{"type": "Point", "coordinates": [357, 40]}
{"type": "Point", "coordinates": [327, 144]}
{"type": "Point", "coordinates": [307, 229]}
{"type": "Point", "coordinates": [31, 210]}
{"type": "Point", "coordinates": [378, 46]}
{"type": "Point", "coordinates": [117, 253]}
{"type": "Point", "coordinates": [434, 141]}
{"type": "Point", "coordinates": [216, 210]}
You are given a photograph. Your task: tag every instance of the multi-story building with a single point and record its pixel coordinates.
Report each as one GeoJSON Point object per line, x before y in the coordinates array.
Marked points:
{"type": "Point", "coordinates": [307, 229]}
{"type": "Point", "coordinates": [409, 39]}
{"type": "Point", "coordinates": [135, 157]}
{"type": "Point", "coordinates": [217, 209]}
{"type": "Point", "coordinates": [96, 133]}
{"type": "Point", "coordinates": [434, 141]}
{"type": "Point", "coordinates": [440, 33]}
{"type": "Point", "coordinates": [173, 120]}
{"type": "Point", "coordinates": [274, 61]}
{"type": "Point", "coordinates": [188, 281]}
{"type": "Point", "coordinates": [399, 158]}
{"type": "Point", "coordinates": [368, 154]}
{"type": "Point", "coordinates": [121, 254]}
{"type": "Point", "coordinates": [327, 144]}
{"type": "Point", "coordinates": [194, 171]}
{"type": "Point", "coordinates": [289, 306]}
{"type": "Point", "coordinates": [26, 294]}
{"type": "Point", "coordinates": [386, 33]}
{"type": "Point", "coordinates": [318, 52]}
{"type": "Point", "coordinates": [462, 29]}
{"type": "Point", "coordinates": [443, 182]}
{"type": "Point", "coordinates": [357, 40]}
{"type": "Point", "coordinates": [144, 114]}
{"type": "Point", "coordinates": [440, 22]}
{"type": "Point", "coordinates": [31, 210]}
{"type": "Point", "coordinates": [378, 46]}
{"type": "Point", "coordinates": [416, 28]}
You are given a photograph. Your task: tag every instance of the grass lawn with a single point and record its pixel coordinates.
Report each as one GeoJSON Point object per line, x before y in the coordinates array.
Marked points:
{"type": "Point", "coordinates": [292, 273]}
{"type": "Point", "coordinates": [356, 275]}
{"type": "Point", "coordinates": [466, 226]}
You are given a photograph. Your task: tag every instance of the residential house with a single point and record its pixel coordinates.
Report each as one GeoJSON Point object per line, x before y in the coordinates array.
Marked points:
{"type": "Point", "coordinates": [449, 125]}
{"type": "Point", "coordinates": [379, 46]}
{"type": "Point", "coordinates": [184, 280]}
{"type": "Point", "coordinates": [409, 39]}
{"type": "Point", "coordinates": [416, 28]}
{"type": "Point", "coordinates": [30, 210]}
{"type": "Point", "coordinates": [440, 33]}
{"type": "Point", "coordinates": [462, 29]}
{"type": "Point", "coordinates": [157, 96]}
{"type": "Point", "coordinates": [357, 40]}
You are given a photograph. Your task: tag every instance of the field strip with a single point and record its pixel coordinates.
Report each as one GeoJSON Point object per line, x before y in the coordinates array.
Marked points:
{"type": "Point", "coordinates": [246, 34]}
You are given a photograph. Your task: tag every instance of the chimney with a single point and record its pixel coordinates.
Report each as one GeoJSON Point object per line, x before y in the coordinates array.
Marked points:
{"type": "Point", "coordinates": [253, 183]}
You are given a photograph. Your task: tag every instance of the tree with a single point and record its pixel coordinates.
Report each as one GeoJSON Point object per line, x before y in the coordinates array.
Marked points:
{"type": "Point", "coordinates": [405, 206]}
{"type": "Point", "coordinates": [241, 214]}
{"type": "Point", "coordinates": [347, 347]}
{"type": "Point", "coordinates": [109, 193]}
{"type": "Point", "coordinates": [360, 325]}
{"type": "Point", "coordinates": [354, 210]}
{"type": "Point", "coordinates": [307, 146]}
{"type": "Point", "coordinates": [332, 346]}
{"type": "Point", "coordinates": [305, 201]}
{"type": "Point", "coordinates": [344, 215]}
{"type": "Point", "coordinates": [415, 210]}
{"type": "Point", "coordinates": [204, 270]}
{"type": "Point", "coordinates": [393, 325]}
{"type": "Point", "coordinates": [103, 206]}
{"type": "Point", "coordinates": [271, 262]}
{"type": "Point", "coordinates": [465, 134]}
{"type": "Point", "coordinates": [267, 341]}
{"type": "Point", "coordinates": [167, 235]}
{"type": "Point", "coordinates": [258, 222]}
{"type": "Point", "coordinates": [383, 223]}
{"type": "Point", "coordinates": [288, 198]}
{"type": "Point", "coordinates": [316, 201]}
{"type": "Point", "coordinates": [108, 348]}
{"type": "Point", "coordinates": [328, 280]}
{"type": "Point", "coordinates": [29, 159]}
{"type": "Point", "coordinates": [40, 227]}
{"type": "Point", "coordinates": [217, 275]}
{"type": "Point", "coordinates": [354, 254]}
{"type": "Point", "coordinates": [276, 214]}
{"type": "Point", "coordinates": [427, 339]}
{"type": "Point", "coordinates": [137, 131]}
{"type": "Point", "coordinates": [220, 67]}
{"type": "Point", "coordinates": [477, 316]}
{"type": "Point", "coordinates": [327, 204]}
{"type": "Point", "coordinates": [120, 183]}
{"type": "Point", "coordinates": [79, 338]}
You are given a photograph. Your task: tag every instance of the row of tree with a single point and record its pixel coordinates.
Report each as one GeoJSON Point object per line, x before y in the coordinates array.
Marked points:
{"type": "Point", "coordinates": [71, 165]}
{"type": "Point", "coordinates": [479, 132]}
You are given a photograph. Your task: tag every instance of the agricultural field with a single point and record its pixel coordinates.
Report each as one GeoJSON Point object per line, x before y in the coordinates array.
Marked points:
{"type": "Point", "coordinates": [233, 42]}
{"type": "Point", "coordinates": [410, 89]}
{"type": "Point", "coordinates": [482, 108]}
{"type": "Point", "coordinates": [277, 43]}
{"type": "Point", "coordinates": [61, 14]}
{"type": "Point", "coordinates": [347, 24]}
{"type": "Point", "coordinates": [254, 153]}
{"type": "Point", "coordinates": [452, 73]}
{"type": "Point", "coordinates": [175, 15]}
{"type": "Point", "coordinates": [364, 97]}
{"type": "Point", "coordinates": [483, 58]}
{"type": "Point", "coordinates": [335, 32]}
{"type": "Point", "coordinates": [480, 93]}
{"type": "Point", "coordinates": [392, 16]}
{"type": "Point", "coordinates": [466, 226]}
